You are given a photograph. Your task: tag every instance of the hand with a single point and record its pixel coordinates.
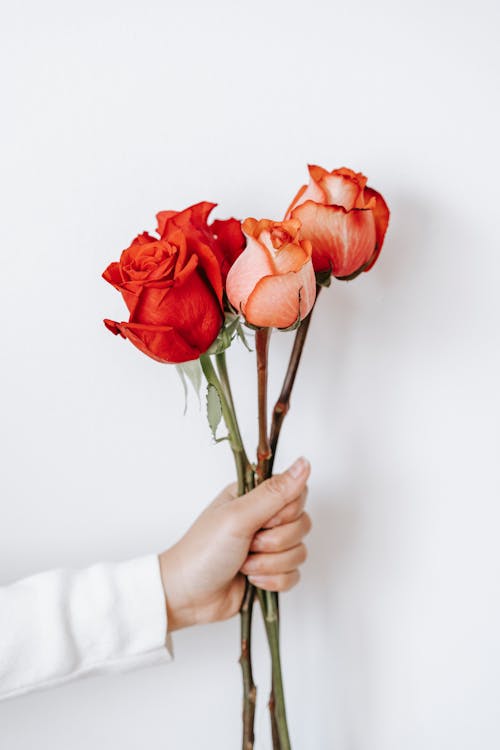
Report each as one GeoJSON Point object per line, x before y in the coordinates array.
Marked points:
{"type": "Point", "coordinates": [258, 534]}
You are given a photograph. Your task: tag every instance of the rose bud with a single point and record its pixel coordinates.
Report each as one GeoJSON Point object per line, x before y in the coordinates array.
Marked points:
{"type": "Point", "coordinates": [343, 219]}
{"type": "Point", "coordinates": [173, 290]}
{"type": "Point", "coordinates": [272, 282]}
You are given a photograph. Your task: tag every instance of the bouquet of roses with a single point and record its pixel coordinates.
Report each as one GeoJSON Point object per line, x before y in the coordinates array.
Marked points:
{"type": "Point", "coordinates": [191, 289]}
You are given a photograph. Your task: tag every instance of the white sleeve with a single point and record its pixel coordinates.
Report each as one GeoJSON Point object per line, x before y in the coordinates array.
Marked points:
{"type": "Point", "coordinates": [66, 624]}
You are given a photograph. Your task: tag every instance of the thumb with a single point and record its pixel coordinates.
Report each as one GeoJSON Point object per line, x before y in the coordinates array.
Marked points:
{"type": "Point", "coordinates": [258, 506]}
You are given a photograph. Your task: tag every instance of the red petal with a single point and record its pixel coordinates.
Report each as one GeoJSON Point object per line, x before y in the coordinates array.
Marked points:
{"type": "Point", "coordinates": [190, 308]}
{"type": "Point", "coordinates": [230, 241]}
{"type": "Point", "coordinates": [113, 275]}
{"type": "Point", "coordinates": [161, 343]}
{"type": "Point", "coordinates": [381, 215]}
{"type": "Point", "coordinates": [163, 217]}
{"type": "Point", "coordinates": [341, 240]}
{"type": "Point", "coordinates": [196, 215]}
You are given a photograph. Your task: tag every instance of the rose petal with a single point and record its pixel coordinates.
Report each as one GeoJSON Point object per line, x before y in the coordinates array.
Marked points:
{"type": "Point", "coordinates": [230, 240]}
{"type": "Point", "coordinates": [381, 215]}
{"type": "Point", "coordinates": [161, 343]}
{"type": "Point", "coordinates": [254, 263]}
{"type": "Point", "coordinates": [275, 300]}
{"type": "Point", "coordinates": [292, 257]}
{"type": "Point", "coordinates": [170, 220]}
{"type": "Point", "coordinates": [113, 275]}
{"type": "Point", "coordinates": [311, 192]}
{"type": "Point", "coordinates": [342, 190]}
{"type": "Point", "coordinates": [341, 240]}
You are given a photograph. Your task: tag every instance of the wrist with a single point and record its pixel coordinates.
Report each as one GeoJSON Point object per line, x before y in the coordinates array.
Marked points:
{"type": "Point", "coordinates": [180, 613]}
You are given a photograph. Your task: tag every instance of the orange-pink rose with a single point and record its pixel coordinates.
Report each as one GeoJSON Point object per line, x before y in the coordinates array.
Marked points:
{"type": "Point", "coordinates": [272, 283]}
{"type": "Point", "coordinates": [344, 220]}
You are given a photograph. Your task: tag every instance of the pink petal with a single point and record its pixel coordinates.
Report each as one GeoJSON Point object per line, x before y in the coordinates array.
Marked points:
{"type": "Point", "coordinates": [341, 190]}
{"type": "Point", "coordinates": [275, 300]}
{"type": "Point", "coordinates": [341, 240]}
{"type": "Point", "coordinates": [311, 192]}
{"type": "Point", "coordinates": [253, 263]}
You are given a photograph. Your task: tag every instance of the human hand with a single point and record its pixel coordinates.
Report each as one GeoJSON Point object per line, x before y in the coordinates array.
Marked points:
{"type": "Point", "coordinates": [258, 534]}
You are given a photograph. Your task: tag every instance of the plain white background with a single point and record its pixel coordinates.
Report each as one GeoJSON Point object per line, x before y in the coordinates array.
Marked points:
{"type": "Point", "coordinates": [115, 110]}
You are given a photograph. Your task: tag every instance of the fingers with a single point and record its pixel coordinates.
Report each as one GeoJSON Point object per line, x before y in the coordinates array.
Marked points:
{"type": "Point", "coordinates": [251, 511]}
{"type": "Point", "coordinates": [282, 537]}
{"type": "Point", "coordinates": [273, 563]}
{"type": "Point", "coordinates": [281, 582]}
{"type": "Point", "coordinates": [225, 495]}
{"type": "Point", "coordinates": [290, 512]}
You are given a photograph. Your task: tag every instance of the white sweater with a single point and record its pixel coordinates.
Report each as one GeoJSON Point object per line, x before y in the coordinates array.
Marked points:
{"type": "Point", "coordinates": [66, 624]}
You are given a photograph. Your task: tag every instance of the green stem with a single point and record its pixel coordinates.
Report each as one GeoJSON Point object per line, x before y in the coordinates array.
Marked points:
{"type": "Point", "coordinates": [239, 454]}
{"type": "Point", "coordinates": [245, 483]}
{"type": "Point", "coordinates": [226, 384]}
{"type": "Point", "coordinates": [271, 620]}
{"type": "Point", "coordinates": [249, 689]}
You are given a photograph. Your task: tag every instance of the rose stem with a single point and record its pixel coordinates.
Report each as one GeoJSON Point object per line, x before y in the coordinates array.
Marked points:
{"type": "Point", "coordinates": [226, 384]}
{"type": "Point", "coordinates": [262, 336]}
{"type": "Point", "coordinates": [282, 405]}
{"type": "Point", "coordinates": [249, 688]}
{"type": "Point", "coordinates": [240, 457]}
{"type": "Point", "coordinates": [269, 599]}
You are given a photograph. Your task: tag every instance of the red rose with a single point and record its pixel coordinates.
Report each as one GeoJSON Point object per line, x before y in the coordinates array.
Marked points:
{"type": "Point", "coordinates": [173, 285]}
{"type": "Point", "coordinates": [344, 220]}
{"type": "Point", "coordinates": [224, 238]}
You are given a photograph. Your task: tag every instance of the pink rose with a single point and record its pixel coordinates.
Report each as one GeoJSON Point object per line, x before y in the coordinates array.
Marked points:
{"type": "Point", "coordinates": [272, 282]}
{"type": "Point", "coordinates": [344, 220]}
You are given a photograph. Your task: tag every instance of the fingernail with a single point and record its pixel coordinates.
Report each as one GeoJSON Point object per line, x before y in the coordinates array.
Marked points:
{"type": "Point", "coordinates": [298, 467]}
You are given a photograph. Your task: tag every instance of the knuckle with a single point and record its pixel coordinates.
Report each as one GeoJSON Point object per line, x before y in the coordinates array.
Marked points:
{"type": "Point", "coordinates": [259, 565]}
{"type": "Point", "coordinates": [307, 523]}
{"type": "Point", "coordinates": [277, 485]}
{"type": "Point", "coordinates": [302, 553]}
{"type": "Point", "coordinates": [290, 512]}
{"type": "Point", "coordinates": [272, 543]}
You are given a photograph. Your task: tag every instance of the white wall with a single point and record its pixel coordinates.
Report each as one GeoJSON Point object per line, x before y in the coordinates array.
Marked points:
{"type": "Point", "coordinates": [114, 110]}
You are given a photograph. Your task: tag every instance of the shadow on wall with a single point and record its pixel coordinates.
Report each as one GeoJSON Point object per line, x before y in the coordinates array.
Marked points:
{"type": "Point", "coordinates": [368, 336]}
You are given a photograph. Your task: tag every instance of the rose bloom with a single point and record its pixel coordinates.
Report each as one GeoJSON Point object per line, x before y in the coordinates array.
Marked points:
{"type": "Point", "coordinates": [173, 285]}
{"type": "Point", "coordinates": [224, 238]}
{"type": "Point", "coordinates": [272, 282]}
{"type": "Point", "coordinates": [344, 220]}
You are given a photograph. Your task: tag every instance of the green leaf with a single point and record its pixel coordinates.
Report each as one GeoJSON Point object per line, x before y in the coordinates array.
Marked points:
{"type": "Point", "coordinates": [190, 371]}
{"type": "Point", "coordinates": [214, 409]}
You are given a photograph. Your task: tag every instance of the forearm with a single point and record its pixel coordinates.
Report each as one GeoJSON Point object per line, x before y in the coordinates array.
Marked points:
{"type": "Point", "coordinates": [64, 624]}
